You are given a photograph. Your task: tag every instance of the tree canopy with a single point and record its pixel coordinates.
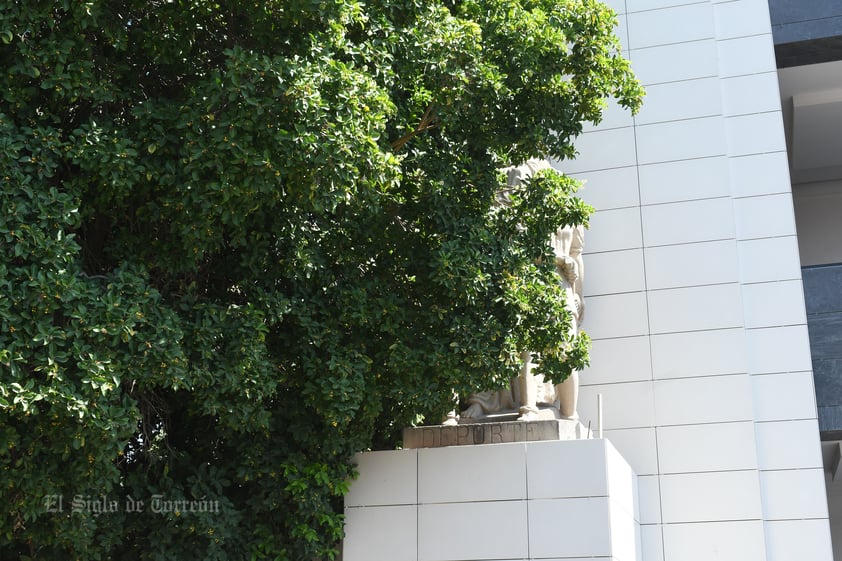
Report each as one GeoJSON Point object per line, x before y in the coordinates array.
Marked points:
{"type": "Point", "coordinates": [244, 240]}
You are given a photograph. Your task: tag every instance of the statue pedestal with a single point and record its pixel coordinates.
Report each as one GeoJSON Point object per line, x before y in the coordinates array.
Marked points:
{"type": "Point", "coordinates": [530, 500]}
{"type": "Point", "coordinates": [490, 431]}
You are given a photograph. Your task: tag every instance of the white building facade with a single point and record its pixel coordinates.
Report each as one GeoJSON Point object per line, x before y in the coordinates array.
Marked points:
{"type": "Point", "coordinates": [694, 292]}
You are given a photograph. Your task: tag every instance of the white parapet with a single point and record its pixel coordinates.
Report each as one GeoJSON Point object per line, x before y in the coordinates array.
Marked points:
{"type": "Point", "coordinates": [550, 500]}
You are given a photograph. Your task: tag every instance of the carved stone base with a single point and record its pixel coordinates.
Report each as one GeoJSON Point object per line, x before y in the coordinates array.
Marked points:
{"type": "Point", "coordinates": [493, 432]}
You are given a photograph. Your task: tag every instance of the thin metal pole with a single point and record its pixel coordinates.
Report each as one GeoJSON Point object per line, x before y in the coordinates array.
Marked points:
{"type": "Point", "coordinates": [599, 413]}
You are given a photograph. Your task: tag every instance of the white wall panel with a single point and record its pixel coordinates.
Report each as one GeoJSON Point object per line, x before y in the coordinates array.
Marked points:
{"type": "Point", "coordinates": [610, 188]}
{"type": "Point", "coordinates": [778, 349]}
{"type": "Point", "coordinates": [686, 222]}
{"type": "Point", "coordinates": [754, 93]}
{"type": "Point", "coordinates": [788, 445]}
{"type": "Point", "coordinates": [770, 259]}
{"type": "Point", "coordinates": [700, 353]}
{"type": "Point", "coordinates": [381, 533]}
{"type": "Point", "coordinates": [722, 541]}
{"type": "Point", "coordinates": [680, 140]}
{"type": "Point", "coordinates": [759, 133]}
{"type": "Point", "coordinates": [708, 497]}
{"type": "Point", "coordinates": [764, 217]}
{"type": "Point", "coordinates": [449, 532]}
{"type": "Point", "coordinates": [741, 18]}
{"type": "Point", "coordinates": [503, 477]}
{"type": "Point", "coordinates": [652, 543]}
{"type": "Point", "coordinates": [671, 63]}
{"type": "Point", "coordinates": [614, 272]}
{"type": "Point", "coordinates": [637, 446]}
{"type": "Point", "coordinates": [625, 359]}
{"type": "Point", "coordinates": [649, 491]}
{"type": "Point", "coordinates": [797, 540]}
{"type": "Point", "coordinates": [760, 174]}
{"type": "Point", "coordinates": [678, 266]}
{"type": "Point", "coordinates": [688, 99]}
{"type": "Point", "coordinates": [673, 25]}
{"type": "Point", "coordinates": [613, 230]}
{"type": "Point", "coordinates": [684, 180]}
{"type": "Point", "coordinates": [703, 448]}
{"type": "Point", "coordinates": [746, 55]}
{"type": "Point", "coordinates": [600, 149]}
{"type": "Point", "coordinates": [703, 400]}
{"type": "Point", "coordinates": [695, 309]}
{"type": "Point", "coordinates": [786, 396]}
{"type": "Point", "coordinates": [386, 478]}
{"type": "Point", "coordinates": [793, 493]}
{"type": "Point", "coordinates": [621, 315]}
{"type": "Point", "coordinates": [625, 405]}
{"type": "Point", "coordinates": [772, 304]}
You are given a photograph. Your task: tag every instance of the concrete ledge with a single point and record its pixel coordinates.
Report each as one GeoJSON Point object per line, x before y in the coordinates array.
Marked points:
{"type": "Point", "coordinates": [493, 433]}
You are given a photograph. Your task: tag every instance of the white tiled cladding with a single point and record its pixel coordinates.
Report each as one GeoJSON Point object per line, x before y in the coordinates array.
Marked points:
{"type": "Point", "coordinates": [649, 499]}
{"type": "Point", "coordinates": [688, 221]}
{"type": "Point", "coordinates": [778, 349]}
{"type": "Point", "coordinates": [759, 174]}
{"type": "Point", "coordinates": [585, 522]}
{"type": "Point", "coordinates": [614, 230]}
{"type": "Point", "coordinates": [381, 533]}
{"type": "Point", "coordinates": [707, 448]}
{"type": "Point", "coordinates": [624, 359]}
{"type": "Point", "coordinates": [472, 504]}
{"type": "Point", "coordinates": [385, 478]}
{"type": "Point", "coordinates": [609, 189]}
{"type": "Point", "coordinates": [759, 133]}
{"type": "Point", "coordinates": [797, 540]}
{"type": "Point", "coordinates": [712, 399]}
{"type": "Point", "coordinates": [695, 309]}
{"type": "Point", "coordinates": [553, 476]}
{"type": "Point", "coordinates": [793, 494]}
{"type": "Point", "coordinates": [681, 140]}
{"type": "Point", "coordinates": [615, 148]}
{"type": "Point", "coordinates": [772, 304]}
{"type": "Point", "coordinates": [652, 542]}
{"type": "Point", "coordinates": [502, 477]}
{"type": "Point", "coordinates": [769, 259]}
{"type": "Point", "coordinates": [670, 25]}
{"type": "Point", "coordinates": [765, 216]}
{"type": "Point", "coordinates": [617, 414]}
{"type": "Point", "coordinates": [581, 509]}
{"type": "Point", "coordinates": [617, 315]}
{"type": "Point", "coordinates": [473, 530]}
{"type": "Point", "coordinates": [684, 180]}
{"type": "Point", "coordinates": [674, 101]}
{"type": "Point", "coordinates": [746, 55]}
{"type": "Point", "coordinates": [615, 272]}
{"type": "Point", "coordinates": [710, 497]}
{"type": "Point", "coordinates": [672, 63]}
{"type": "Point", "coordinates": [742, 18]}
{"type": "Point", "coordinates": [643, 5]}
{"type": "Point", "coordinates": [700, 353]}
{"type": "Point", "coordinates": [637, 446]}
{"type": "Point", "coordinates": [783, 397]}
{"type": "Point", "coordinates": [788, 445]}
{"type": "Point", "coordinates": [722, 541]}
{"type": "Point", "coordinates": [677, 266]}
{"type": "Point", "coordinates": [755, 93]}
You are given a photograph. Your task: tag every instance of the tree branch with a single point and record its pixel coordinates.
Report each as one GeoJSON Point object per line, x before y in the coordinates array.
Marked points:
{"type": "Point", "coordinates": [428, 121]}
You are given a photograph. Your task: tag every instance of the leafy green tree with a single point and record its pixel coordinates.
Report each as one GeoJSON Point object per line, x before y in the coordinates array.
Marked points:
{"type": "Point", "coordinates": [244, 240]}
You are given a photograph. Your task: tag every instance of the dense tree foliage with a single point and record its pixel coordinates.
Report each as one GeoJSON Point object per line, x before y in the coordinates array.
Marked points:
{"type": "Point", "coordinates": [243, 240]}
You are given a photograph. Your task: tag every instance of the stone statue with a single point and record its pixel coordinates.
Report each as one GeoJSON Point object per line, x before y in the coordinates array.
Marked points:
{"type": "Point", "coordinates": [530, 398]}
